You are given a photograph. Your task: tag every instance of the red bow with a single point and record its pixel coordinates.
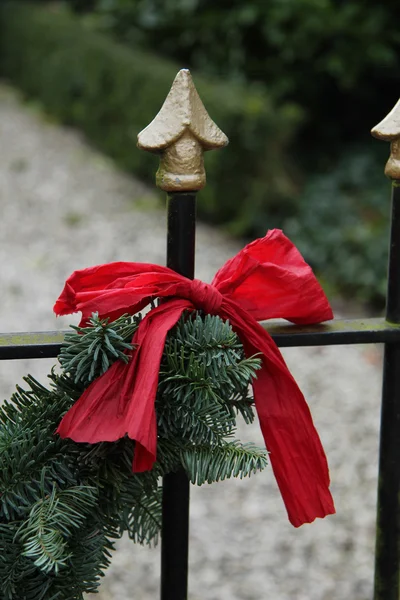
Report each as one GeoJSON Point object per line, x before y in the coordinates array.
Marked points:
{"type": "Point", "coordinates": [267, 279]}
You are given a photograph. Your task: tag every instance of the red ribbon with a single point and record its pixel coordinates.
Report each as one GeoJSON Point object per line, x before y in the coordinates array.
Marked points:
{"type": "Point", "coordinates": [267, 279]}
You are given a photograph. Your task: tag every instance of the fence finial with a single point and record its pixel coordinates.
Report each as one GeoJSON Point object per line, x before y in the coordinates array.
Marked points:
{"type": "Point", "coordinates": [181, 132]}
{"type": "Point", "coordinates": [389, 130]}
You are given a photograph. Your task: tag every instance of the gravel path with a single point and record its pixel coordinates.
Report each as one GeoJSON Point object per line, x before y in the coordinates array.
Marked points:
{"type": "Point", "coordinates": [64, 207]}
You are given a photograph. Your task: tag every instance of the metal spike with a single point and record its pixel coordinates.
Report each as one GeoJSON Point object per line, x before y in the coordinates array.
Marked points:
{"type": "Point", "coordinates": [389, 130]}
{"type": "Point", "coordinates": [181, 132]}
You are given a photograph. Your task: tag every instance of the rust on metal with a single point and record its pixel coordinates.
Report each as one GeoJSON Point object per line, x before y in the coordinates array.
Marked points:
{"type": "Point", "coordinates": [181, 132]}
{"type": "Point", "coordinates": [389, 131]}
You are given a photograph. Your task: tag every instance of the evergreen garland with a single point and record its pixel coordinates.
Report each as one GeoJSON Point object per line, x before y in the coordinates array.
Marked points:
{"type": "Point", "coordinates": [62, 504]}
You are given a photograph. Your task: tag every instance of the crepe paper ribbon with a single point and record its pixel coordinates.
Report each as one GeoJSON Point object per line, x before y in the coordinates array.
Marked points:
{"type": "Point", "coordinates": [267, 279]}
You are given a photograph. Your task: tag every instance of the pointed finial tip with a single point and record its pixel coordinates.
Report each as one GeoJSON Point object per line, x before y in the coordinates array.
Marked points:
{"type": "Point", "coordinates": [389, 130]}
{"type": "Point", "coordinates": [183, 78]}
{"type": "Point", "coordinates": [181, 132]}
{"type": "Point", "coordinates": [182, 74]}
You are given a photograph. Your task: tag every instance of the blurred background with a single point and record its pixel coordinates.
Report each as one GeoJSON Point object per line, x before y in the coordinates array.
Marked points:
{"type": "Point", "coordinates": [296, 85]}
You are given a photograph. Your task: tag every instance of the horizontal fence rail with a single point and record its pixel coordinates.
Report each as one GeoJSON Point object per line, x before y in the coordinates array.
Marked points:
{"type": "Point", "coordinates": [180, 257]}
{"type": "Point", "coordinates": [47, 344]}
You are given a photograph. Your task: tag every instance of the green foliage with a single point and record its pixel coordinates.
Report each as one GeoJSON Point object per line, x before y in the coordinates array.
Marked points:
{"type": "Point", "coordinates": [52, 520]}
{"type": "Point", "coordinates": [88, 352]}
{"type": "Point", "coordinates": [204, 384]}
{"type": "Point", "coordinates": [230, 459]}
{"type": "Point", "coordinates": [48, 487]}
{"type": "Point", "coordinates": [62, 504]}
{"type": "Point", "coordinates": [343, 226]}
{"type": "Point", "coordinates": [112, 92]}
{"type": "Point", "coordinates": [292, 83]}
{"type": "Point", "coordinates": [334, 59]}
{"type": "Point", "coordinates": [339, 64]}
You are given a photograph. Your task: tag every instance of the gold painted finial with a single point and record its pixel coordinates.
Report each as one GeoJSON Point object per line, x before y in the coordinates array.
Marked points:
{"type": "Point", "coordinates": [181, 132]}
{"type": "Point", "coordinates": [389, 131]}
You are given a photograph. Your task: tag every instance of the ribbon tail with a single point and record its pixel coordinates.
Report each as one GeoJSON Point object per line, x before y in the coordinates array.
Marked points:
{"type": "Point", "coordinates": [121, 401]}
{"type": "Point", "coordinates": [98, 415]}
{"type": "Point", "coordinates": [296, 453]}
{"type": "Point", "coordinates": [141, 415]}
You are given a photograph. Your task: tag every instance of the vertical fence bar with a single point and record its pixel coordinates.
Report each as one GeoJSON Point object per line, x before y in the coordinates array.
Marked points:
{"type": "Point", "coordinates": [181, 208]}
{"type": "Point", "coordinates": [387, 550]}
{"type": "Point", "coordinates": [180, 133]}
{"type": "Point", "coordinates": [387, 555]}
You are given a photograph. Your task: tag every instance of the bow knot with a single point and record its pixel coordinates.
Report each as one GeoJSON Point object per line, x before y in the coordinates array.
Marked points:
{"type": "Point", "coordinates": [205, 297]}
{"type": "Point", "coordinates": [267, 279]}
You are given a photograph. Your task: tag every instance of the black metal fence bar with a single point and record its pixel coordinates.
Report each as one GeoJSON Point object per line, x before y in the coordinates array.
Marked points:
{"type": "Point", "coordinates": [181, 209]}
{"type": "Point", "coordinates": [387, 552]}
{"type": "Point", "coordinates": [181, 256]}
{"type": "Point", "coordinates": [337, 332]}
{"type": "Point", "coordinates": [46, 344]}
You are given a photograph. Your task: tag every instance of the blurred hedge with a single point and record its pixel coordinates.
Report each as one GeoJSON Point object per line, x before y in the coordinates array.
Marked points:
{"type": "Point", "coordinates": [337, 218]}
{"type": "Point", "coordinates": [342, 225]}
{"type": "Point", "coordinates": [111, 92]}
{"type": "Point", "coordinates": [338, 60]}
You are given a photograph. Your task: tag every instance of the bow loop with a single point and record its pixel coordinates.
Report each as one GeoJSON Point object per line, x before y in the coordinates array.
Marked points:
{"type": "Point", "coordinates": [205, 297]}
{"type": "Point", "coordinates": [268, 278]}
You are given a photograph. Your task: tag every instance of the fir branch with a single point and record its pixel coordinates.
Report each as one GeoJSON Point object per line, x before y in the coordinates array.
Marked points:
{"type": "Point", "coordinates": [193, 413]}
{"type": "Point", "coordinates": [28, 444]}
{"type": "Point", "coordinates": [90, 351]}
{"type": "Point", "coordinates": [204, 381]}
{"type": "Point", "coordinates": [168, 456]}
{"type": "Point", "coordinates": [53, 545]}
{"type": "Point", "coordinates": [52, 521]}
{"type": "Point", "coordinates": [143, 520]}
{"type": "Point", "coordinates": [232, 459]}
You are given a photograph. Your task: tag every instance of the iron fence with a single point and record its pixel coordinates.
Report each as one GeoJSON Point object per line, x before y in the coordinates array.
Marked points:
{"type": "Point", "coordinates": [181, 208]}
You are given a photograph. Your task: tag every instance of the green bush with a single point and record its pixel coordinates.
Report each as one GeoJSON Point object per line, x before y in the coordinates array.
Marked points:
{"type": "Point", "coordinates": [342, 226]}
{"type": "Point", "coordinates": [112, 92]}
{"type": "Point", "coordinates": [339, 63]}
{"type": "Point", "coordinates": [339, 60]}
{"type": "Point", "coordinates": [339, 219]}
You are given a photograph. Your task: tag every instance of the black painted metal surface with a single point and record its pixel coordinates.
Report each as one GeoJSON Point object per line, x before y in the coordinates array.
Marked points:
{"type": "Point", "coordinates": [333, 333]}
{"type": "Point", "coordinates": [38, 344]}
{"type": "Point", "coordinates": [175, 529]}
{"type": "Point", "coordinates": [175, 507]}
{"type": "Point", "coordinates": [46, 344]}
{"type": "Point", "coordinates": [387, 552]}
